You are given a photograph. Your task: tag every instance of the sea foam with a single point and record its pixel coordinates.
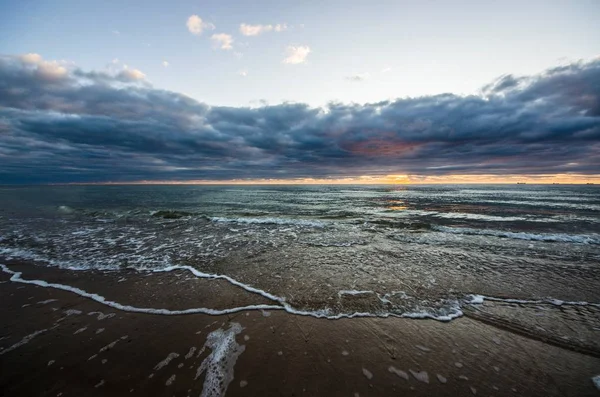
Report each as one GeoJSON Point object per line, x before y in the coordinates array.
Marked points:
{"type": "Point", "coordinates": [219, 364]}
{"type": "Point", "coordinates": [452, 313]}
{"type": "Point", "coordinates": [547, 237]}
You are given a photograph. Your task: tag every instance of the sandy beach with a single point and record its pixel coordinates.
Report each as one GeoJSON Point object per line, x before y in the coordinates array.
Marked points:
{"type": "Point", "coordinates": [57, 343]}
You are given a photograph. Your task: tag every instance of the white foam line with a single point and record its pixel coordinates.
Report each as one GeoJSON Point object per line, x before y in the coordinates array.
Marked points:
{"type": "Point", "coordinates": [200, 274]}
{"type": "Point", "coordinates": [283, 305]}
{"type": "Point", "coordinates": [291, 310]}
{"type": "Point", "coordinates": [25, 340]}
{"type": "Point", "coordinates": [353, 292]}
{"type": "Point", "coordinates": [478, 299]}
{"type": "Point", "coordinates": [16, 277]}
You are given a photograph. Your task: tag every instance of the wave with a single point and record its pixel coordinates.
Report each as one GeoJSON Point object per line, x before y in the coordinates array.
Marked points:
{"type": "Point", "coordinates": [479, 299]}
{"type": "Point", "coordinates": [280, 303]}
{"type": "Point", "coordinates": [168, 214]}
{"type": "Point", "coordinates": [546, 237]}
{"type": "Point", "coordinates": [16, 277]}
{"type": "Point", "coordinates": [538, 203]}
{"type": "Point", "coordinates": [396, 224]}
{"type": "Point", "coordinates": [270, 220]}
{"type": "Point", "coordinates": [454, 309]}
{"type": "Point", "coordinates": [464, 215]}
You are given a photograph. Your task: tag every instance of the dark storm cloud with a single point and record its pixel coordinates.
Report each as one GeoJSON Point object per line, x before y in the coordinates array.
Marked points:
{"type": "Point", "coordinates": [61, 124]}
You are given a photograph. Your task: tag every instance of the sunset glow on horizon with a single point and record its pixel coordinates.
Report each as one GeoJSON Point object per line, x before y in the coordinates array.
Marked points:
{"type": "Point", "coordinates": [384, 180]}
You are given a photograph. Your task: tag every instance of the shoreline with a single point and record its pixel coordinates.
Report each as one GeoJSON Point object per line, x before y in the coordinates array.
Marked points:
{"type": "Point", "coordinates": [368, 356]}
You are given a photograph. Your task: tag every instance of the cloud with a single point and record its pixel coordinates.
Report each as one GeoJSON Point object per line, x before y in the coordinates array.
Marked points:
{"type": "Point", "coordinates": [296, 54]}
{"type": "Point", "coordinates": [31, 58]}
{"type": "Point", "coordinates": [243, 73]}
{"type": "Point", "coordinates": [49, 70]}
{"type": "Point", "coordinates": [222, 40]}
{"type": "Point", "coordinates": [358, 77]}
{"type": "Point", "coordinates": [196, 25]}
{"type": "Point", "coordinates": [165, 64]}
{"type": "Point", "coordinates": [386, 70]}
{"type": "Point", "coordinates": [115, 126]}
{"type": "Point", "coordinates": [255, 30]}
{"type": "Point", "coordinates": [131, 74]}
{"type": "Point", "coordinates": [116, 32]}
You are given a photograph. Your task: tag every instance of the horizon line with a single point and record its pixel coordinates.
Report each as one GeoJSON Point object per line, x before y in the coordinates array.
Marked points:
{"type": "Point", "coordinates": [396, 179]}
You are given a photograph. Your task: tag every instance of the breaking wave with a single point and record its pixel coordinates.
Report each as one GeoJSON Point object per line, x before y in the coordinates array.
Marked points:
{"type": "Point", "coordinates": [547, 237]}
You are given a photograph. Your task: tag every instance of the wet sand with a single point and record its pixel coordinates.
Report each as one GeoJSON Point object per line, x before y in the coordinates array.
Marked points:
{"type": "Point", "coordinates": [57, 343]}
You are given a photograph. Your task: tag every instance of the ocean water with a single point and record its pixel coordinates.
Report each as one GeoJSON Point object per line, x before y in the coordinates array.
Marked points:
{"type": "Point", "coordinates": [415, 251]}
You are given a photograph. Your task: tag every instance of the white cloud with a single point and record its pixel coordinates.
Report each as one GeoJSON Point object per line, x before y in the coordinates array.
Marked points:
{"type": "Point", "coordinates": [132, 74]}
{"type": "Point", "coordinates": [165, 64]}
{"type": "Point", "coordinates": [31, 58]}
{"type": "Point", "coordinates": [358, 77]}
{"type": "Point", "coordinates": [243, 73]}
{"type": "Point", "coordinates": [255, 30]}
{"type": "Point", "coordinates": [296, 54]}
{"type": "Point", "coordinates": [223, 41]}
{"type": "Point", "coordinates": [48, 70]}
{"type": "Point", "coordinates": [386, 70]}
{"type": "Point", "coordinates": [196, 25]}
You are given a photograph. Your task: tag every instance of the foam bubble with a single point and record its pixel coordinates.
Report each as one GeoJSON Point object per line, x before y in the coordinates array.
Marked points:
{"type": "Point", "coordinates": [65, 209]}
{"type": "Point", "coordinates": [220, 362]}
{"type": "Point", "coordinates": [26, 339]}
{"type": "Point", "coordinates": [398, 372]}
{"type": "Point", "coordinates": [170, 381]}
{"type": "Point", "coordinates": [101, 316]}
{"type": "Point", "coordinates": [191, 352]}
{"type": "Point", "coordinates": [166, 361]}
{"type": "Point", "coordinates": [596, 381]}
{"type": "Point", "coordinates": [47, 301]}
{"type": "Point", "coordinates": [420, 376]}
{"type": "Point", "coordinates": [110, 345]}
{"type": "Point", "coordinates": [353, 292]}
{"type": "Point", "coordinates": [476, 299]}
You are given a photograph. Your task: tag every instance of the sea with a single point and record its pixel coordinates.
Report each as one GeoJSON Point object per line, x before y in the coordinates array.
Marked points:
{"type": "Point", "coordinates": [417, 251]}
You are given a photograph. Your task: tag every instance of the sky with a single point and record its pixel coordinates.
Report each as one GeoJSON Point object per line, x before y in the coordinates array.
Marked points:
{"type": "Point", "coordinates": [312, 91]}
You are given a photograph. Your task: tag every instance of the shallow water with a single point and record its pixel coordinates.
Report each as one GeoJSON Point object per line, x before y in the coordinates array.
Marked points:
{"type": "Point", "coordinates": [330, 250]}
